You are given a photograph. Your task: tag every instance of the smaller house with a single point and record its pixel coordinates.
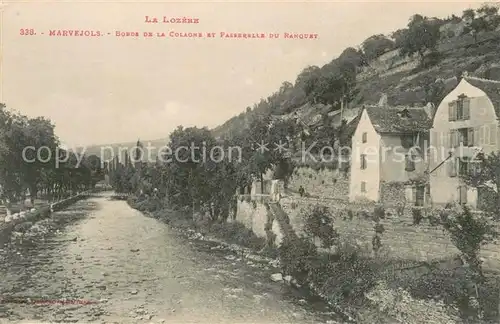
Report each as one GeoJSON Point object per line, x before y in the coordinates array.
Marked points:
{"type": "Point", "coordinates": [388, 153]}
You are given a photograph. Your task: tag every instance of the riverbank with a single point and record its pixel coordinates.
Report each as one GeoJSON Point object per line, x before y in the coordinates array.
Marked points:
{"type": "Point", "coordinates": [240, 241]}
{"type": "Point", "coordinates": [363, 287]}
{"type": "Point", "coordinates": [19, 225]}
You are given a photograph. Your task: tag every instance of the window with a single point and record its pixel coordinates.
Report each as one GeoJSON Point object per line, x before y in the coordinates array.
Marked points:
{"type": "Point", "coordinates": [363, 186]}
{"type": "Point", "coordinates": [488, 134]}
{"type": "Point", "coordinates": [363, 161]}
{"type": "Point", "coordinates": [463, 137]}
{"type": "Point", "coordinates": [407, 141]}
{"type": "Point", "coordinates": [459, 109]}
{"type": "Point", "coordinates": [468, 167]}
{"type": "Point", "coordinates": [463, 167]}
{"type": "Point", "coordinates": [364, 137]}
{"type": "Point", "coordinates": [409, 162]}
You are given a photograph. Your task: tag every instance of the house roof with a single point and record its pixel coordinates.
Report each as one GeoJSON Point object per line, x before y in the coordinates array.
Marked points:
{"type": "Point", "coordinates": [490, 87]}
{"type": "Point", "coordinates": [401, 119]}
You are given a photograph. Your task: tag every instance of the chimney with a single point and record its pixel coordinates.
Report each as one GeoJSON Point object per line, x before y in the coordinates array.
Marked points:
{"type": "Point", "coordinates": [383, 100]}
{"type": "Point", "coordinates": [430, 110]}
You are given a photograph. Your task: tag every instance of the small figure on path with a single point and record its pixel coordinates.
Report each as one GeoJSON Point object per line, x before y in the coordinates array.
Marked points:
{"type": "Point", "coordinates": [301, 191]}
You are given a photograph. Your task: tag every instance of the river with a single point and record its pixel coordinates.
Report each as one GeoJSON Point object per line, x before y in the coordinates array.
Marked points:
{"type": "Point", "coordinates": [119, 266]}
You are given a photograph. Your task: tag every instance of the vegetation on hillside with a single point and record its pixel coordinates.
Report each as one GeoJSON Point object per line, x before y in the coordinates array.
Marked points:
{"type": "Point", "coordinates": [413, 66]}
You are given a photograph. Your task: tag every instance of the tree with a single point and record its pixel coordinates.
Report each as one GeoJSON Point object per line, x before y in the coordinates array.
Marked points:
{"type": "Point", "coordinates": [486, 177]}
{"type": "Point", "coordinates": [399, 37]}
{"type": "Point", "coordinates": [376, 45]}
{"type": "Point", "coordinates": [435, 90]}
{"type": "Point", "coordinates": [484, 19]}
{"type": "Point", "coordinates": [468, 233]}
{"type": "Point", "coordinates": [469, 14]}
{"type": "Point", "coordinates": [422, 35]}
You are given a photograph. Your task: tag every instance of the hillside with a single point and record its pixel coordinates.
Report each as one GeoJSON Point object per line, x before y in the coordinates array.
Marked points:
{"type": "Point", "coordinates": [382, 64]}
{"type": "Point", "coordinates": [405, 79]}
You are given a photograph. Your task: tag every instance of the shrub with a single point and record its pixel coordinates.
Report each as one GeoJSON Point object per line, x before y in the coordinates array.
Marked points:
{"type": "Point", "coordinates": [469, 233]}
{"type": "Point", "coordinates": [296, 257]}
{"type": "Point", "coordinates": [401, 306]}
{"type": "Point", "coordinates": [378, 213]}
{"type": "Point", "coordinates": [417, 215]}
{"type": "Point", "coordinates": [318, 223]}
{"type": "Point", "coordinates": [350, 214]}
{"type": "Point", "coordinates": [364, 214]}
{"type": "Point", "coordinates": [347, 275]}
{"type": "Point", "coordinates": [400, 210]}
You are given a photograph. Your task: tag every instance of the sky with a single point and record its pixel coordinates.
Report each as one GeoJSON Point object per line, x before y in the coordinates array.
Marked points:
{"type": "Point", "coordinates": [112, 89]}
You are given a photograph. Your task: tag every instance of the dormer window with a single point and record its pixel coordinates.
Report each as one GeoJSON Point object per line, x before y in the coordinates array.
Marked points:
{"type": "Point", "coordinates": [404, 113]}
{"type": "Point", "coordinates": [459, 109]}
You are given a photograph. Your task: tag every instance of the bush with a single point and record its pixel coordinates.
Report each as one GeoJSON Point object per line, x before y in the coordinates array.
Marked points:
{"type": "Point", "coordinates": [378, 213]}
{"type": "Point", "coordinates": [318, 223]}
{"type": "Point", "coordinates": [417, 215]}
{"type": "Point", "coordinates": [400, 210]}
{"type": "Point", "coordinates": [296, 257]}
{"type": "Point", "coordinates": [346, 276]}
{"type": "Point", "coordinates": [401, 306]}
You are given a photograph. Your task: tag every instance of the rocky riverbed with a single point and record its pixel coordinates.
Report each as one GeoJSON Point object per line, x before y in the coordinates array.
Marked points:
{"type": "Point", "coordinates": [101, 261]}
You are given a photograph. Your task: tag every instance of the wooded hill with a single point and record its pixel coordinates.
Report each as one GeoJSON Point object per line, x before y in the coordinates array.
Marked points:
{"type": "Point", "coordinates": [414, 65]}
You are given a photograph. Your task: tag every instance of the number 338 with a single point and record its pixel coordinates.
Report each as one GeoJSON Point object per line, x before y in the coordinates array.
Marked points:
{"type": "Point", "coordinates": [26, 31]}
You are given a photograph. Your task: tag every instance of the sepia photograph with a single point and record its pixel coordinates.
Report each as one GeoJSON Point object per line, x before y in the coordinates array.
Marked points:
{"type": "Point", "coordinates": [247, 162]}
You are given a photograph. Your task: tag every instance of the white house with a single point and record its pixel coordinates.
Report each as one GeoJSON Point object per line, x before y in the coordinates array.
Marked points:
{"type": "Point", "coordinates": [466, 122]}
{"type": "Point", "coordinates": [387, 152]}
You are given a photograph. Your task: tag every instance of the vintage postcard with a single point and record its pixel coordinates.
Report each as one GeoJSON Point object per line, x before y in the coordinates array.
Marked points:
{"type": "Point", "coordinates": [249, 161]}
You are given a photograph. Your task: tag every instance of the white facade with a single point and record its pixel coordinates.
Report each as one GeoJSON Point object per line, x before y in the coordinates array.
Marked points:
{"type": "Point", "coordinates": [475, 129]}
{"type": "Point", "coordinates": [365, 177]}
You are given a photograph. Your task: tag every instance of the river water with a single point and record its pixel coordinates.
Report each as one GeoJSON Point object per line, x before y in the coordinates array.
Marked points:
{"type": "Point", "coordinates": [119, 266]}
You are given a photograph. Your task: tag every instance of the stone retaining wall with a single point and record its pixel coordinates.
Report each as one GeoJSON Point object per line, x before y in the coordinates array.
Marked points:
{"type": "Point", "coordinates": [255, 215]}
{"type": "Point", "coordinates": [423, 242]}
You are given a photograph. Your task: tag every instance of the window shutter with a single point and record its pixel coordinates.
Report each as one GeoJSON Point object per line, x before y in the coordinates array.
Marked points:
{"type": "Point", "coordinates": [462, 191]}
{"type": "Point", "coordinates": [450, 139]}
{"type": "Point", "coordinates": [493, 134]}
{"type": "Point", "coordinates": [452, 111]}
{"type": "Point", "coordinates": [481, 140]}
{"type": "Point", "coordinates": [470, 137]}
{"type": "Point", "coordinates": [476, 137]}
{"type": "Point", "coordinates": [466, 108]}
{"type": "Point", "coordinates": [452, 168]}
